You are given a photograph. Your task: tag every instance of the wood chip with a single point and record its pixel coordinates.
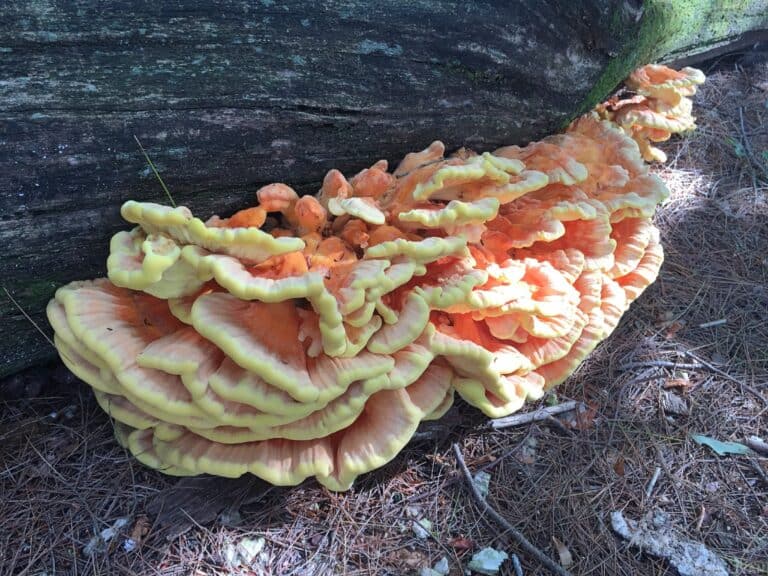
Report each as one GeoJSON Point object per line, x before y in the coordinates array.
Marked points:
{"type": "Point", "coordinates": [672, 403]}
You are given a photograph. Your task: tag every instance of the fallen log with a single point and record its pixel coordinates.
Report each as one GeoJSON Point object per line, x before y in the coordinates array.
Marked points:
{"type": "Point", "coordinates": [230, 96]}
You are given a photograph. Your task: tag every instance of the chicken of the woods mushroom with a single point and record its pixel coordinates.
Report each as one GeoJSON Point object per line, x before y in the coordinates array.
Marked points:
{"type": "Point", "coordinates": [309, 336]}
{"type": "Point", "coordinates": [659, 108]}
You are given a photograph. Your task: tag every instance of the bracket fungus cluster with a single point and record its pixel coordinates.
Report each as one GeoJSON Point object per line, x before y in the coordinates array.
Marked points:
{"type": "Point", "coordinates": [659, 108]}
{"type": "Point", "coordinates": [309, 336]}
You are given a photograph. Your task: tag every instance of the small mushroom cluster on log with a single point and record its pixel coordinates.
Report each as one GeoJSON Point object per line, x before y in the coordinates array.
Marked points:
{"type": "Point", "coordinates": [660, 107]}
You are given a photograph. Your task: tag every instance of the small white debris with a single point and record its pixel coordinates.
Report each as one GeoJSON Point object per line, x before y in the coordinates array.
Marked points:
{"type": "Point", "coordinates": [231, 557]}
{"type": "Point", "coordinates": [129, 545]}
{"type": "Point", "coordinates": [108, 533]}
{"type": "Point", "coordinates": [712, 487]}
{"type": "Point", "coordinates": [244, 553]}
{"type": "Point", "coordinates": [249, 548]}
{"type": "Point", "coordinates": [482, 481]}
{"type": "Point", "coordinates": [657, 538]}
{"type": "Point", "coordinates": [98, 543]}
{"type": "Point", "coordinates": [412, 511]}
{"type": "Point", "coordinates": [422, 528]}
{"type": "Point", "coordinates": [488, 561]}
{"type": "Point", "coordinates": [441, 568]}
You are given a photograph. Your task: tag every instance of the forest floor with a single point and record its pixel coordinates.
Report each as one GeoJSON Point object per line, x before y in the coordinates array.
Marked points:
{"type": "Point", "coordinates": [690, 357]}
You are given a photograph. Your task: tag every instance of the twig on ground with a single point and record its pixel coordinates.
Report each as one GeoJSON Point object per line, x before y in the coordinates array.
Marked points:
{"type": "Point", "coordinates": [700, 519]}
{"type": "Point", "coordinates": [711, 367]}
{"type": "Point", "coordinates": [559, 425]}
{"type": "Point", "coordinates": [652, 483]}
{"type": "Point", "coordinates": [661, 364]}
{"type": "Point", "coordinates": [757, 444]}
{"type": "Point", "coordinates": [645, 376]}
{"type": "Point", "coordinates": [524, 543]}
{"type": "Point", "coordinates": [535, 416]}
{"type": "Point", "coordinates": [714, 323]}
{"type": "Point", "coordinates": [484, 468]}
{"type": "Point", "coordinates": [700, 363]}
{"type": "Point", "coordinates": [756, 467]}
{"type": "Point", "coordinates": [516, 565]}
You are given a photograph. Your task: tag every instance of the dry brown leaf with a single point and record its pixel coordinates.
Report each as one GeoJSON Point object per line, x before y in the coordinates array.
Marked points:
{"type": "Point", "coordinates": [484, 459]}
{"type": "Point", "coordinates": [618, 466]}
{"type": "Point", "coordinates": [461, 543]}
{"type": "Point", "coordinates": [140, 529]}
{"type": "Point", "coordinates": [674, 328]}
{"type": "Point", "coordinates": [683, 383]}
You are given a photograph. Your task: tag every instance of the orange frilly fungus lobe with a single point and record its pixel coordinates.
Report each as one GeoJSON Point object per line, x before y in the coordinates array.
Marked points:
{"type": "Point", "coordinates": [659, 108]}
{"type": "Point", "coordinates": [309, 336]}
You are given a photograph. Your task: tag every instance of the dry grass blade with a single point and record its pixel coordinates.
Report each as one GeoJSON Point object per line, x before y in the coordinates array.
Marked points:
{"type": "Point", "coordinates": [157, 174]}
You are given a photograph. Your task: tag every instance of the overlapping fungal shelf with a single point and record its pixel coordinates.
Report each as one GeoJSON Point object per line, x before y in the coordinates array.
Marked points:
{"type": "Point", "coordinates": [310, 336]}
{"type": "Point", "coordinates": [659, 107]}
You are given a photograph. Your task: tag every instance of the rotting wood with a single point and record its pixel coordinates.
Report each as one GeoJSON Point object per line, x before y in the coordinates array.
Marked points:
{"type": "Point", "coordinates": [230, 96]}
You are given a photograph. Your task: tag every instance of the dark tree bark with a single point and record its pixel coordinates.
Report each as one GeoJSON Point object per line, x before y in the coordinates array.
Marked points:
{"type": "Point", "coordinates": [230, 95]}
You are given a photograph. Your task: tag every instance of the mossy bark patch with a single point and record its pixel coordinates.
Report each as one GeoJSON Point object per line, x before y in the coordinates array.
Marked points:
{"type": "Point", "coordinates": [673, 29]}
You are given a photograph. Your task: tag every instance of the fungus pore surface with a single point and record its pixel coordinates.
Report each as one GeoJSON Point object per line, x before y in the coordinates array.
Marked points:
{"type": "Point", "coordinates": [309, 336]}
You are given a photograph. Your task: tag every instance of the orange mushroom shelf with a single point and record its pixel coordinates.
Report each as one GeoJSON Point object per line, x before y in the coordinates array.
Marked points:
{"type": "Point", "coordinates": [659, 108]}
{"type": "Point", "coordinates": [310, 336]}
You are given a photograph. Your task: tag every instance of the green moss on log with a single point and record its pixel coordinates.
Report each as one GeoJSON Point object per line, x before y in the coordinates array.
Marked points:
{"type": "Point", "coordinates": [674, 28]}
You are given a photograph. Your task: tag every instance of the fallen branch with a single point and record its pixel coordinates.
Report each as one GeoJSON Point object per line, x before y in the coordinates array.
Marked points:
{"type": "Point", "coordinates": [524, 543]}
{"type": "Point", "coordinates": [535, 416]}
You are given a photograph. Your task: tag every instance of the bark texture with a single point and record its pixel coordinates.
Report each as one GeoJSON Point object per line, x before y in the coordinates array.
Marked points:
{"type": "Point", "coordinates": [230, 95]}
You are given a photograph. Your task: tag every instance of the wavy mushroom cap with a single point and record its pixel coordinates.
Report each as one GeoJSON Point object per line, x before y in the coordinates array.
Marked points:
{"type": "Point", "coordinates": [664, 83]}
{"type": "Point", "coordinates": [661, 106]}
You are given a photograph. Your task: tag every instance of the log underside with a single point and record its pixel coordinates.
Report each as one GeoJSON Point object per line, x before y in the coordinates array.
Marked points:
{"type": "Point", "coordinates": [231, 97]}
